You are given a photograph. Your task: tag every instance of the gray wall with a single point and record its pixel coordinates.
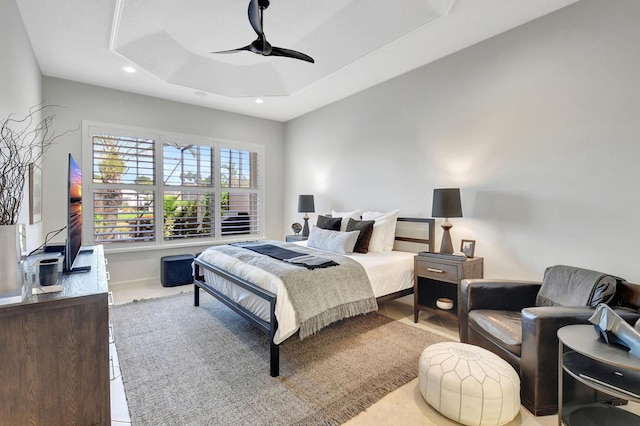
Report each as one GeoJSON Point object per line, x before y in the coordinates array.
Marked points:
{"type": "Point", "coordinates": [86, 102]}
{"type": "Point", "coordinates": [20, 88]}
{"type": "Point", "coordinates": [538, 127]}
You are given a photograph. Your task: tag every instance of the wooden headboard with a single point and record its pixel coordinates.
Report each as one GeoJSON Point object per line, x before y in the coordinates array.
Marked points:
{"type": "Point", "coordinates": [414, 234]}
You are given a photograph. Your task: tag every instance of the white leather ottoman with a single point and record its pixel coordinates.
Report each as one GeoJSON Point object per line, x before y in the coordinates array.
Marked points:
{"type": "Point", "coordinates": [469, 384]}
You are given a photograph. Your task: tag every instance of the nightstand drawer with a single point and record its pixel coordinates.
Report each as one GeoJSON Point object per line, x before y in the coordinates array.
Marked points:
{"type": "Point", "coordinates": [438, 271]}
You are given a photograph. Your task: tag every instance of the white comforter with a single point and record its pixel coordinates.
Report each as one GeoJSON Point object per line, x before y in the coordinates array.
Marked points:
{"type": "Point", "coordinates": [388, 273]}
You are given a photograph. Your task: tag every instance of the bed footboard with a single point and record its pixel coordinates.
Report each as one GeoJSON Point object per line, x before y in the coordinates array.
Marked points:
{"type": "Point", "coordinates": [268, 327]}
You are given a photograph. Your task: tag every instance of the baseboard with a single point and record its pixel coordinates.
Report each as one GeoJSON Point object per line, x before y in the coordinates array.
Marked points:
{"type": "Point", "coordinates": [149, 282]}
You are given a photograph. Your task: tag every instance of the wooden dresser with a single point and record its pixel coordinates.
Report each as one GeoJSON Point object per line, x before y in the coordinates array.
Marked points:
{"type": "Point", "coordinates": [54, 356]}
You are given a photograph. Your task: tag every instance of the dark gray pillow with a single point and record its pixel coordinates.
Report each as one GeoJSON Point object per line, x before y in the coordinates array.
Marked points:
{"type": "Point", "coordinates": [366, 230]}
{"type": "Point", "coordinates": [328, 222]}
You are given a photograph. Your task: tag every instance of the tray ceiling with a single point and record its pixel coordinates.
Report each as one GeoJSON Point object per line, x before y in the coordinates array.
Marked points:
{"type": "Point", "coordinates": [356, 44]}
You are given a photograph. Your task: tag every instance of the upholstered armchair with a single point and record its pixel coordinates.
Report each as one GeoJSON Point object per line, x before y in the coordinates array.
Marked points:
{"type": "Point", "coordinates": [518, 320]}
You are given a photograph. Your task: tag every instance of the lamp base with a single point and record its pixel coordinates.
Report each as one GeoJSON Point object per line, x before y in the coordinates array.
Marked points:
{"type": "Point", "coordinates": [305, 229]}
{"type": "Point", "coordinates": [446, 246]}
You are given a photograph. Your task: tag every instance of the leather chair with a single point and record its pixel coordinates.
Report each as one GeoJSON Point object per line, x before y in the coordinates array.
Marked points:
{"type": "Point", "coordinates": [503, 317]}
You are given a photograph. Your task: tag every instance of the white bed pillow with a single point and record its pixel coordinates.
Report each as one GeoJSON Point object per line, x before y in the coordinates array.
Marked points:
{"type": "Point", "coordinates": [334, 241]}
{"type": "Point", "coordinates": [384, 230]}
{"type": "Point", "coordinates": [345, 217]}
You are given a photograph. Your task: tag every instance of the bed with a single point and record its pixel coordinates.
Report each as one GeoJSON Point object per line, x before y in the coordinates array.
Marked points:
{"type": "Point", "coordinates": [261, 298]}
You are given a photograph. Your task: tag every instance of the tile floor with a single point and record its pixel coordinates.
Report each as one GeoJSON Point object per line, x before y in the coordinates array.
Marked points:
{"type": "Point", "coordinates": [404, 406]}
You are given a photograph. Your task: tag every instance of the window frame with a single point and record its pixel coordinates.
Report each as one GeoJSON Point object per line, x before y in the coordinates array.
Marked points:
{"type": "Point", "coordinates": [159, 188]}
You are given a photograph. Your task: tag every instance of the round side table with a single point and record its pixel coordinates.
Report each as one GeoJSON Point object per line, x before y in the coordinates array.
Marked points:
{"type": "Point", "coordinates": [603, 367]}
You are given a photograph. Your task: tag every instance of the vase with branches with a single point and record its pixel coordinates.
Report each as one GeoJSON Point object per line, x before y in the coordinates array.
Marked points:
{"type": "Point", "coordinates": [23, 140]}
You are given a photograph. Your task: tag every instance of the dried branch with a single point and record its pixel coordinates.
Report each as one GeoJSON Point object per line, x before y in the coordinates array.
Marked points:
{"type": "Point", "coordinates": [22, 142]}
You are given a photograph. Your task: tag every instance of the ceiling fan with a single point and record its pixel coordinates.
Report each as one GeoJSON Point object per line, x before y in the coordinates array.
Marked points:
{"type": "Point", "coordinates": [260, 45]}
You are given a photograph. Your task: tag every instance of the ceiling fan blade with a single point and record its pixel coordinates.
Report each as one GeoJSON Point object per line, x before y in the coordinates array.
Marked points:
{"type": "Point", "coordinates": [240, 49]}
{"type": "Point", "coordinates": [255, 17]}
{"type": "Point", "coordinates": [259, 46]}
{"type": "Point", "coordinates": [288, 53]}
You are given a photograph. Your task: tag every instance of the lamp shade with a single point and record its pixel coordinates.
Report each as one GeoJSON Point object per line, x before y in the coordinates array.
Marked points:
{"type": "Point", "coordinates": [446, 203]}
{"type": "Point", "coordinates": [305, 204]}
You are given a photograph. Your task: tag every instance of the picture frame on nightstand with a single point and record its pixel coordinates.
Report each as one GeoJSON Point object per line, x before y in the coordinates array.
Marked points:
{"type": "Point", "coordinates": [468, 247]}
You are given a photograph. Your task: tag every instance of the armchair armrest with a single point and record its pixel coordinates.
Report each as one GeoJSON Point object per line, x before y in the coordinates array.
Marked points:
{"type": "Point", "coordinates": [506, 295]}
{"type": "Point", "coordinates": [539, 359]}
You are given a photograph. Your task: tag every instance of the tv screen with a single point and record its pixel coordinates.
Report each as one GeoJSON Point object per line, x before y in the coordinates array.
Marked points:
{"type": "Point", "coordinates": [74, 217]}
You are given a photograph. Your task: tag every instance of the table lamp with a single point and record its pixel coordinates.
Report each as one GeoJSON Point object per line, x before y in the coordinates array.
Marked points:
{"type": "Point", "coordinates": [305, 205]}
{"type": "Point", "coordinates": [446, 204]}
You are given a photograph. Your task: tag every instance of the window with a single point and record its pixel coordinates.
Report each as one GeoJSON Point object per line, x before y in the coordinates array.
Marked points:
{"type": "Point", "coordinates": [154, 188]}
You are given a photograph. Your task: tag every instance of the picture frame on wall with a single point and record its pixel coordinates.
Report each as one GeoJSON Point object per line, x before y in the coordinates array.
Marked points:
{"type": "Point", "coordinates": [35, 193]}
{"type": "Point", "coordinates": [468, 247]}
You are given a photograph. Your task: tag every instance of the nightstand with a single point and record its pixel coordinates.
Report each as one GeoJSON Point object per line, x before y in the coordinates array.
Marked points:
{"type": "Point", "coordinates": [439, 276]}
{"type": "Point", "coordinates": [294, 238]}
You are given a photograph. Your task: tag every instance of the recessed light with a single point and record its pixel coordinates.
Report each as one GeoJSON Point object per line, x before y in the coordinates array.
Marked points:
{"type": "Point", "coordinates": [259, 101]}
{"type": "Point", "coordinates": [129, 69]}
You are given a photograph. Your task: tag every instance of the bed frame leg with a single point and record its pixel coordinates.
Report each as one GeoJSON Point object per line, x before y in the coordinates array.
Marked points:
{"type": "Point", "coordinates": [196, 295]}
{"type": "Point", "coordinates": [274, 353]}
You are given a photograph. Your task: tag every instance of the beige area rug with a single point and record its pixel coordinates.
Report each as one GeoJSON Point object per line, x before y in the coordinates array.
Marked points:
{"type": "Point", "coordinates": [186, 365]}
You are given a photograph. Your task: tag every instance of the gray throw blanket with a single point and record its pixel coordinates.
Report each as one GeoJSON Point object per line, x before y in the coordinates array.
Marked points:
{"type": "Point", "coordinates": [571, 286]}
{"type": "Point", "coordinates": [286, 255]}
{"type": "Point", "coordinates": [319, 296]}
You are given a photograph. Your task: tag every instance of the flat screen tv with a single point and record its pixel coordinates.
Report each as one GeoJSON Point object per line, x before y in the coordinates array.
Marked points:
{"type": "Point", "coordinates": [74, 218]}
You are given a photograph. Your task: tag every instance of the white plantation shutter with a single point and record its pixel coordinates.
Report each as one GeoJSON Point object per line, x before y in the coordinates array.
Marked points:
{"type": "Point", "coordinates": [154, 189]}
{"type": "Point", "coordinates": [123, 203]}
{"type": "Point", "coordinates": [188, 192]}
{"type": "Point", "coordinates": [240, 202]}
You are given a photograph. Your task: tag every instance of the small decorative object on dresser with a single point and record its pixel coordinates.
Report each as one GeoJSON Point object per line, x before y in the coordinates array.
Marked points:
{"type": "Point", "coordinates": [48, 271]}
{"type": "Point", "coordinates": [468, 247]}
{"type": "Point", "coordinates": [296, 228]}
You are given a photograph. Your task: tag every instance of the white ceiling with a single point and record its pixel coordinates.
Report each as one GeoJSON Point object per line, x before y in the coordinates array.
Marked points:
{"type": "Point", "coordinates": [355, 43]}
